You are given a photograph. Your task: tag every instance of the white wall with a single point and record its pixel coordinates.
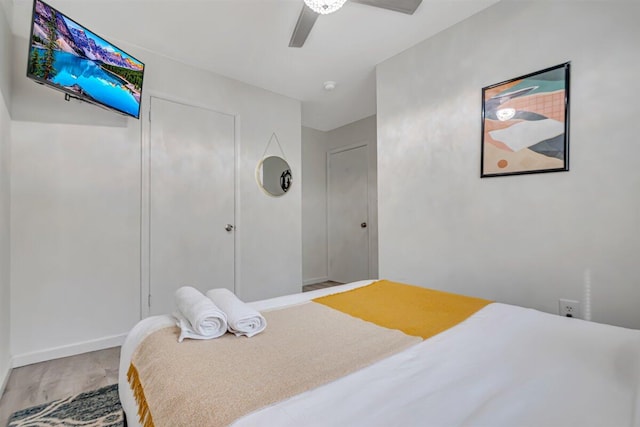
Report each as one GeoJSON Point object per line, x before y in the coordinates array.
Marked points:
{"type": "Point", "coordinates": [526, 240]}
{"type": "Point", "coordinates": [316, 144]}
{"type": "Point", "coordinates": [268, 229]}
{"type": "Point", "coordinates": [76, 204]}
{"type": "Point", "coordinates": [5, 201]}
{"type": "Point", "coordinates": [76, 247]}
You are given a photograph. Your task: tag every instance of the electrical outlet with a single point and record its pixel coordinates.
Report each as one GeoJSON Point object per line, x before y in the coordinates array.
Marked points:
{"type": "Point", "coordinates": [569, 308]}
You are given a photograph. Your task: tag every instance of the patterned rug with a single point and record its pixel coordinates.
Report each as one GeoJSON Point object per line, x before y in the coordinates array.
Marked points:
{"type": "Point", "coordinates": [98, 408]}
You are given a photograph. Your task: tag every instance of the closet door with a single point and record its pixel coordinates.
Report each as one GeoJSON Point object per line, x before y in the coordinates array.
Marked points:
{"type": "Point", "coordinates": [191, 201]}
{"type": "Point", "coordinates": [348, 211]}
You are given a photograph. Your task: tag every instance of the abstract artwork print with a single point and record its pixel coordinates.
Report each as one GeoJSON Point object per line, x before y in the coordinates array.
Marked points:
{"type": "Point", "coordinates": [525, 124]}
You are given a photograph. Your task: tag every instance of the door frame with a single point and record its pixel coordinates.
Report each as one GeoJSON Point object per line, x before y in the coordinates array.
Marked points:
{"type": "Point", "coordinates": [370, 215]}
{"type": "Point", "coordinates": [145, 192]}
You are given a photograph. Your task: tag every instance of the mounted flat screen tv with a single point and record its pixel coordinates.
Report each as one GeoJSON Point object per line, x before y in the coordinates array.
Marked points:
{"type": "Point", "coordinates": [66, 56]}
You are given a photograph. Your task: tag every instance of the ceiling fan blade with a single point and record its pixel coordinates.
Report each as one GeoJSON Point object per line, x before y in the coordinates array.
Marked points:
{"type": "Point", "coordinates": [303, 27]}
{"type": "Point", "coordinates": [404, 6]}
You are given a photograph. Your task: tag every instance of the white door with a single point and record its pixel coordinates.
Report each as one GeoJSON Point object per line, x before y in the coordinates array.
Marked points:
{"type": "Point", "coordinates": [191, 201]}
{"type": "Point", "coordinates": [348, 206]}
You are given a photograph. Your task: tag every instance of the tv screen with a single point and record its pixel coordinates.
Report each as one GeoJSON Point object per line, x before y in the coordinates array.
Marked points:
{"type": "Point", "coordinates": [66, 56]}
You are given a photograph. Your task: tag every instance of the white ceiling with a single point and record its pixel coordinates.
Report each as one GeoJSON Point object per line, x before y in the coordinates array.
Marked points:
{"type": "Point", "coordinates": [248, 40]}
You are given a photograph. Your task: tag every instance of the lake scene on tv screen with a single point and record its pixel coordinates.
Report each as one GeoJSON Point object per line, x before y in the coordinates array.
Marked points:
{"type": "Point", "coordinates": [74, 59]}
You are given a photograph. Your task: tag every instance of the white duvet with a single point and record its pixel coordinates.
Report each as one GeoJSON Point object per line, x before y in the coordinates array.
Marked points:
{"type": "Point", "coordinates": [503, 366]}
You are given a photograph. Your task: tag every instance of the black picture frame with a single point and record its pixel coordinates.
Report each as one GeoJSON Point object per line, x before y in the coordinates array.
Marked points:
{"type": "Point", "coordinates": [525, 124]}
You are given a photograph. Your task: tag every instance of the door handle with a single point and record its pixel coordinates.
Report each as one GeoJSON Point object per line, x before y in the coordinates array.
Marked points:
{"type": "Point", "coordinates": [228, 227]}
{"type": "Point", "coordinates": [363, 225]}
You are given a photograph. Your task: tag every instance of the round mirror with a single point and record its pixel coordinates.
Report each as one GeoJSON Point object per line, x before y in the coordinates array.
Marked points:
{"type": "Point", "coordinates": [274, 175]}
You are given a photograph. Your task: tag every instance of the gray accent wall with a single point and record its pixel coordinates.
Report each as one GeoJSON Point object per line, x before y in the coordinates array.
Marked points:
{"type": "Point", "coordinates": [6, 49]}
{"type": "Point", "coordinates": [531, 239]}
{"type": "Point", "coordinates": [314, 206]}
{"type": "Point", "coordinates": [315, 146]}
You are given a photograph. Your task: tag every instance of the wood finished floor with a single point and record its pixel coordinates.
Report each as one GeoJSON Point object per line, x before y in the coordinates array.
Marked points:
{"type": "Point", "coordinates": [307, 288]}
{"type": "Point", "coordinates": [56, 379]}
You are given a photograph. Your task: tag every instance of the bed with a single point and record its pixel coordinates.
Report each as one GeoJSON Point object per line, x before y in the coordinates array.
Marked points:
{"type": "Point", "coordinates": [501, 365]}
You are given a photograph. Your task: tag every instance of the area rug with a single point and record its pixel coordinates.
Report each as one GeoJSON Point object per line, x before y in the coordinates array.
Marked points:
{"type": "Point", "coordinates": [98, 408]}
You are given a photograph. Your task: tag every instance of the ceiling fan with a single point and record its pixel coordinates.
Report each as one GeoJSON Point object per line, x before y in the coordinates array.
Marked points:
{"type": "Point", "coordinates": [308, 17]}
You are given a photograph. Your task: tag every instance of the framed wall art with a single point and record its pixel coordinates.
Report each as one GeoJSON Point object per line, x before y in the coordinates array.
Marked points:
{"type": "Point", "coordinates": [525, 124]}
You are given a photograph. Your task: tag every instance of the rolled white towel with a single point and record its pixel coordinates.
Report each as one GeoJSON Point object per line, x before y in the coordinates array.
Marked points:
{"type": "Point", "coordinates": [197, 316]}
{"type": "Point", "coordinates": [241, 318]}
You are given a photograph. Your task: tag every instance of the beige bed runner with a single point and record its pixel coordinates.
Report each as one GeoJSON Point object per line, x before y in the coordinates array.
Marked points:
{"type": "Point", "coordinates": [215, 382]}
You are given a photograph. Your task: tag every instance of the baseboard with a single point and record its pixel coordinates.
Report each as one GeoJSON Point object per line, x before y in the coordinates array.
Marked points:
{"type": "Point", "coordinates": [4, 379]}
{"type": "Point", "coordinates": [314, 281]}
{"type": "Point", "coordinates": [68, 350]}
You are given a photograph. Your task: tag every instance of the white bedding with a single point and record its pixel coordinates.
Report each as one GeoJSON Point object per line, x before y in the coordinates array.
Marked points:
{"type": "Point", "coordinates": [503, 366]}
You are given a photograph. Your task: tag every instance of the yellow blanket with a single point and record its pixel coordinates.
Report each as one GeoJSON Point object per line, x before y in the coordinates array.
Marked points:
{"type": "Point", "coordinates": [215, 382]}
{"type": "Point", "coordinates": [413, 310]}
